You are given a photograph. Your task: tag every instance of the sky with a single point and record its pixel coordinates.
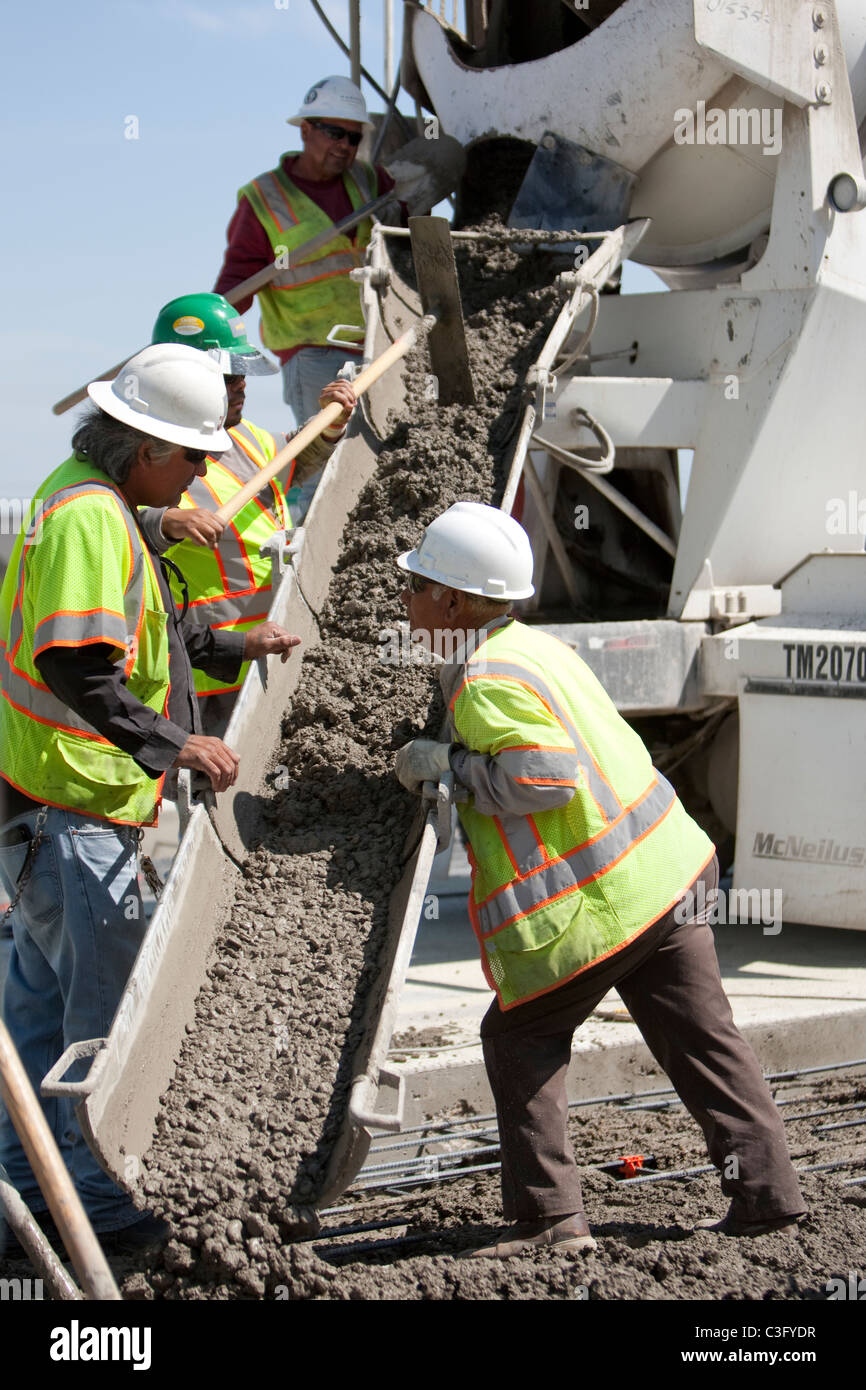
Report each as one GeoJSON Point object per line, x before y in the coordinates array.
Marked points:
{"type": "Point", "coordinates": [101, 230]}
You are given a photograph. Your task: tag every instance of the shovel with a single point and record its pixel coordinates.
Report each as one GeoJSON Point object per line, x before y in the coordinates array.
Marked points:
{"type": "Point", "coordinates": [425, 172]}
{"type": "Point", "coordinates": [313, 428]}
{"type": "Point", "coordinates": [63, 1201]}
{"type": "Point", "coordinates": [436, 273]}
{"type": "Point", "coordinates": [449, 357]}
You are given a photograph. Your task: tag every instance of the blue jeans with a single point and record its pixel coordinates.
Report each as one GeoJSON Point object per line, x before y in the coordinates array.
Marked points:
{"type": "Point", "coordinates": [304, 377]}
{"type": "Point", "coordinates": [76, 932]}
{"type": "Point", "coordinates": [306, 374]}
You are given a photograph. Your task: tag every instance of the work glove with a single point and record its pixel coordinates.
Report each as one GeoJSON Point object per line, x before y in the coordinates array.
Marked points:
{"type": "Point", "coordinates": [422, 760]}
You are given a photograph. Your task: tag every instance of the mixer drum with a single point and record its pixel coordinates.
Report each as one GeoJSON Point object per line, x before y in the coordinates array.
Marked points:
{"type": "Point", "coordinates": [623, 90]}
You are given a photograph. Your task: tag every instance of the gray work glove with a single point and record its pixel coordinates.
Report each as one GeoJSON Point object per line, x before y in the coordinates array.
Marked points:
{"type": "Point", "coordinates": [422, 760]}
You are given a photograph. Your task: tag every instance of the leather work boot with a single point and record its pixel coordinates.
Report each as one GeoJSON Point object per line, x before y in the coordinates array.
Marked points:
{"type": "Point", "coordinates": [560, 1233]}
{"type": "Point", "coordinates": [733, 1225]}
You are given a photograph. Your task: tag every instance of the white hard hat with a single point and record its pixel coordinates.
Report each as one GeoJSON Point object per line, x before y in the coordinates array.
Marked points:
{"type": "Point", "coordinates": [334, 98]}
{"type": "Point", "coordinates": [171, 391]}
{"type": "Point", "coordinates": [476, 549]}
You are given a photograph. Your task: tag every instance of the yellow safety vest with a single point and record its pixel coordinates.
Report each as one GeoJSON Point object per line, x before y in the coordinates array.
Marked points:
{"type": "Point", "coordinates": [79, 574]}
{"type": "Point", "coordinates": [230, 587]}
{"type": "Point", "coordinates": [304, 300]}
{"type": "Point", "coordinates": [557, 891]}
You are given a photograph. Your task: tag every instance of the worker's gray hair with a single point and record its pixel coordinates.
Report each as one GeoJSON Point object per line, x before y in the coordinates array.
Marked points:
{"type": "Point", "coordinates": [485, 610]}
{"type": "Point", "coordinates": [112, 445]}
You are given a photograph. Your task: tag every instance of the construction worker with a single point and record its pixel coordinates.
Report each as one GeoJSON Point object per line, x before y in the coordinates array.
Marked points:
{"type": "Point", "coordinates": [228, 579]}
{"type": "Point", "coordinates": [96, 704]}
{"type": "Point", "coordinates": [278, 212]}
{"type": "Point", "coordinates": [585, 876]}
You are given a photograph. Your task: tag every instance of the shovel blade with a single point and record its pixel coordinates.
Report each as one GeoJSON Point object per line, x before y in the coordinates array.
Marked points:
{"type": "Point", "coordinates": [426, 171]}
{"type": "Point", "coordinates": [436, 273]}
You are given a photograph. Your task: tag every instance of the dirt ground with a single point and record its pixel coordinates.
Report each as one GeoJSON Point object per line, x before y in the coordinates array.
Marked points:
{"type": "Point", "coordinates": [647, 1248]}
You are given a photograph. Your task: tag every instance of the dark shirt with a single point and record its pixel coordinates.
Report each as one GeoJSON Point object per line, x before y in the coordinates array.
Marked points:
{"type": "Point", "coordinates": [91, 684]}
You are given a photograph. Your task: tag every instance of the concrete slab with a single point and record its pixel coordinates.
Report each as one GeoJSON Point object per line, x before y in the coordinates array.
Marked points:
{"type": "Point", "coordinates": [799, 996]}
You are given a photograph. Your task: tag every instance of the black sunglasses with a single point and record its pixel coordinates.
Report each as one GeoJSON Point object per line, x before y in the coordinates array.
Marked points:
{"type": "Point", "coordinates": [338, 132]}
{"type": "Point", "coordinates": [195, 456]}
{"type": "Point", "coordinates": [416, 583]}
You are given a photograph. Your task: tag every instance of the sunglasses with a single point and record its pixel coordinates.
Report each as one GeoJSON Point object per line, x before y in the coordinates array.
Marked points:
{"type": "Point", "coordinates": [195, 456]}
{"type": "Point", "coordinates": [416, 583]}
{"type": "Point", "coordinates": [338, 132]}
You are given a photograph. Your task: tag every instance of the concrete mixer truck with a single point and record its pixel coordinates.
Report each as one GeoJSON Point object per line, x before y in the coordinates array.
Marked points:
{"type": "Point", "coordinates": [732, 632]}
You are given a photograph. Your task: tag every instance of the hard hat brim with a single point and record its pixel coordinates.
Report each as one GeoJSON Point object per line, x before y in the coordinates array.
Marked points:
{"type": "Point", "coordinates": [409, 563]}
{"type": "Point", "coordinates": [323, 116]}
{"type": "Point", "coordinates": [214, 441]}
{"type": "Point", "coordinates": [252, 364]}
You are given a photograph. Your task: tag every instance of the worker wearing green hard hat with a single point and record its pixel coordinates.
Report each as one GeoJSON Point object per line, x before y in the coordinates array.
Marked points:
{"type": "Point", "coordinates": [227, 577]}
{"type": "Point", "coordinates": [208, 321]}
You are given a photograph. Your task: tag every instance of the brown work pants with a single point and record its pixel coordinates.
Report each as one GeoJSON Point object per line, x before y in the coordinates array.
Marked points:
{"type": "Point", "coordinates": [676, 998]}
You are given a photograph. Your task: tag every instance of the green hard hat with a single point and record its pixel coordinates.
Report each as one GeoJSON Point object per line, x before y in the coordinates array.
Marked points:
{"type": "Point", "coordinates": [209, 322]}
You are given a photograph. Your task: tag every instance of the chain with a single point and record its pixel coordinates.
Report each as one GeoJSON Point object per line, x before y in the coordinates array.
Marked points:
{"type": "Point", "coordinates": [27, 867]}
{"type": "Point", "coordinates": [151, 877]}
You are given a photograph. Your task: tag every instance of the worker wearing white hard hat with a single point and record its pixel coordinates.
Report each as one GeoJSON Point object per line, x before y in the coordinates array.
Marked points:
{"type": "Point", "coordinates": [281, 209]}
{"type": "Point", "coordinates": [97, 703]}
{"type": "Point", "coordinates": [588, 873]}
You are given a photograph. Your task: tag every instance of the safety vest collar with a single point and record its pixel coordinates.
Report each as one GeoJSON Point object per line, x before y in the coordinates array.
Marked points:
{"type": "Point", "coordinates": [288, 206]}
{"type": "Point", "coordinates": [452, 673]}
{"type": "Point", "coordinates": [220, 580]}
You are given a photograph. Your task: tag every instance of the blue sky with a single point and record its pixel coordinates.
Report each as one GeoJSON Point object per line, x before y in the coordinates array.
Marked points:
{"type": "Point", "coordinates": [101, 230]}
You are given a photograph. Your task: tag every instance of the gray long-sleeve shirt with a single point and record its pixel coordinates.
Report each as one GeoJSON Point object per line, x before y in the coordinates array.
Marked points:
{"type": "Point", "coordinates": [491, 779]}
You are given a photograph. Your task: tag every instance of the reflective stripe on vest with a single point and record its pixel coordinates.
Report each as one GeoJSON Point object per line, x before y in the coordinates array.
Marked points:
{"type": "Point", "coordinates": [73, 629]}
{"type": "Point", "coordinates": [338, 264]}
{"type": "Point", "coordinates": [545, 881]}
{"type": "Point", "coordinates": [46, 749]}
{"type": "Point", "coordinates": [493, 669]}
{"type": "Point", "coordinates": [42, 704]}
{"type": "Point", "coordinates": [223, 582]}
{"type": "Point", "coordinates": [230, 587]}
{"type": "Point", "coordinates": [278, 196]}
{"type": "Point", "coordinates": [558, 890]}
{"type": "Point", "coordinates": [304, 301]}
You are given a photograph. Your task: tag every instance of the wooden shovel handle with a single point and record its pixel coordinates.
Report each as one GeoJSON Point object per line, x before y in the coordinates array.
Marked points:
{"type": "Point", "coordinates": [313, 428]}
{"type": "Point", "coordinates": [43, 1154]}
{"type": "Point", "coordinates": [253, 283]}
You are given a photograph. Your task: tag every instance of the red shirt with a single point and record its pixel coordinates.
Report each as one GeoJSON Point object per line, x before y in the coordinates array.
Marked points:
{"type": "Point", "coordinates": [249, 248]}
